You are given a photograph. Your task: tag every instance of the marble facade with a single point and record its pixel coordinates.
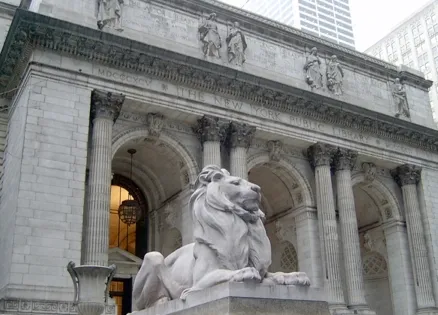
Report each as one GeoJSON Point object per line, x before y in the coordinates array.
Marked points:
{"type": "Point", "coordinates": [348, 179]}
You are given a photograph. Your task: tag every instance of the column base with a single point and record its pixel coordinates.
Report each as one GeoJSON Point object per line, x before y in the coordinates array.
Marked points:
{"type": "Point", "coordinates": [339, 309]}
{"type": "Point", "coordinates": [428, 311]}
{"type": "Point", "coordinates": [354, 310]}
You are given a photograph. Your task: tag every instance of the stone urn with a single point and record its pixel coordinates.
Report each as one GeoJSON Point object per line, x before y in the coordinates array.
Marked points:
{"type": "Point", "coordinates": [91, 287]}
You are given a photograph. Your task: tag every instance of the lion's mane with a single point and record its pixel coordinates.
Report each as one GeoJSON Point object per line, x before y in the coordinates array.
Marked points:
{"type": "Point", "coordinates": [237, 236]}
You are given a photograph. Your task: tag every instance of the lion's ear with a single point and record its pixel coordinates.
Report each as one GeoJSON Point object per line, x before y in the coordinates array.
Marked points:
{"type": "Point", "coordinates": [209, 174]}
{"type": "Point", "coordinates": [217, 176]}
{"type": "Point", "coordinates": [225, 172]}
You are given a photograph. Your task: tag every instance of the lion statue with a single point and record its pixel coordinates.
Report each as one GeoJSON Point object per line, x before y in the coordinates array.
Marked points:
{"type": "Point", "coordinates": [230, 244]}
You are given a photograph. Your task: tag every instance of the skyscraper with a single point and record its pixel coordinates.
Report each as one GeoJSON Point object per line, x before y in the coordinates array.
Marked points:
{"type": "Point", "coordinates": [329, 19]}
{"type": "Point", "coordinates": [414, 43]}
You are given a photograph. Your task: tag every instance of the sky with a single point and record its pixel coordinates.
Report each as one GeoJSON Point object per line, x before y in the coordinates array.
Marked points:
{"type": "Point", "coordinates": [372, 19]}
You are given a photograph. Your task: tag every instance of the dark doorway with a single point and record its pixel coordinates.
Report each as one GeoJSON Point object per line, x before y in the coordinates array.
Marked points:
{"type": "Point", "coordinates": [121, 292]}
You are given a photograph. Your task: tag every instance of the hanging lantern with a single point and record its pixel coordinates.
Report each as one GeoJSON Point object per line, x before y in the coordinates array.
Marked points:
{"type": "Point", "coordinates": [129, 210]}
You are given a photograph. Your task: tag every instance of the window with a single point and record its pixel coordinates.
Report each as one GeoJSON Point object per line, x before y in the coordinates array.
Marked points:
{"type": "Point", "coordinates": [407, 58]}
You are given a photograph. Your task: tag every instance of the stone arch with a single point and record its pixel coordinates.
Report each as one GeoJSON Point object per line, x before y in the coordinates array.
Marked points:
{"type": "Point", "coordinates": [297, 184]}
{"type": "Point", "coordinates": [145, 179]}
{"type": "Point", "coordinates": [384, 198]}
{"type": "Point", "coordinates": [190, 170]}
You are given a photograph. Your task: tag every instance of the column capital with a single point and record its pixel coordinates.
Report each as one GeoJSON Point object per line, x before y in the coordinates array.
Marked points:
{"type": "Point", "coordinates": [241, 135]}
{"type": "Point", "coordinates": [407, 174]}
{"type": "Point", "coordinates": [344, 159]}
{"type": "Point", "coordinates": [320, 154]}
{"type": "Point", "coordinates": [106, 104]}
{"type": "Point", "coordinates": [209, 128]}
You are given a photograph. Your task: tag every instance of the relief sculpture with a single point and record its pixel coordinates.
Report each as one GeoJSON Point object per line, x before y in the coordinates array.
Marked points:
{"type": "Point", "coordinates": [236, 44]}
{"type": "Point", "coordinates": [209, 36]}
{"type": "Point", "coordinates": [335, 76]}
{"type": "Point", "coordinates": [400, 99]}
{"type": "Point", "coordinates": [109, 14]}
{"type": "Point", "coordinates": [313, 69]}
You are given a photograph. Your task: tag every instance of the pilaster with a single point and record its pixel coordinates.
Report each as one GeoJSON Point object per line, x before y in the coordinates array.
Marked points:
{"type": "Point", "coordinates": [408, 176]}
{"type": "Point", "coordinates": [240, 137]}
{"type": "Point", "coordinates": [321, 156]}
{"type": "Point", "coordinates": [105, 108]}
{"type": "Point", "coordinates": [344, 162]}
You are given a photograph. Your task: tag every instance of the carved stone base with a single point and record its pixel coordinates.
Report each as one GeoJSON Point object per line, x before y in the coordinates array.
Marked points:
{"type": "Point", "coordinates": [243, 298]}
{"type": "Point", "coordinates": [23, 306]}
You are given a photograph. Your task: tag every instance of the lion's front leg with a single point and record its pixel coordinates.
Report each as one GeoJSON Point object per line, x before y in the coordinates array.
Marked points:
{"type": "Point", "coordinates": [292, 278]}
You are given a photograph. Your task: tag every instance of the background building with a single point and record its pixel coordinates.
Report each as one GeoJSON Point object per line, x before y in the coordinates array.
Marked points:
{"type": "Point", "coordinates": [330, 19]}
{"type": "Point", "coordinates": [414, 43]}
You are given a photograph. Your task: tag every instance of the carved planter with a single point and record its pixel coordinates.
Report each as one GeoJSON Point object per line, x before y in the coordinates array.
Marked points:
{"type": "Point", "coordinates": [91, 285]}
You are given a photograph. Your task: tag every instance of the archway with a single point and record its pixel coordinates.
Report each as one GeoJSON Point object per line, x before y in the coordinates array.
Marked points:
{"type": "Point", "coordinates": [376, 206]}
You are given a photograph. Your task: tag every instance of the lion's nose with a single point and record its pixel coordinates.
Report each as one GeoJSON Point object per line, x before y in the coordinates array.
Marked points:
{"type": "Point", "coordinates": [256, 188]}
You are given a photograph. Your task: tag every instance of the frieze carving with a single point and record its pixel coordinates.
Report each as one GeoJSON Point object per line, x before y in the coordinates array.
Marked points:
{"type": "Point", "coordinates": [19, 306]}
{"type": "Point", "coordinates": [155, 123]}
{"type": "Point", "coordinates": [109, 14]}
{"type": "Point", "coordinates": [209, 36]}
{"type": "Point", "coordinates": [321, 154]}
{"type": "Point", "coordinates": [313, 69]}
{"type": "Point", "coordinates": [236, 44]}
{"type": "Point", "coordinates": [407, 174]}
{"type": "Point", "coordinates": [209, 129]}
{"type": "Point", "coordinates": [344, 159]}
{"type": "Point", "coordinates": [335, 76]}
{"type": "Point", "coordinates": [241, 135]}
{"type": "Point", "coordinates": [106, 104]}
{"type": "Point", "coordinates": [275, 149]}
{"type": "Point", "coordinates": [370, 172]}
{"type": "Point", "coordinates": [400, 98]}
{"type": "Point", "coordinates": [106, 52]}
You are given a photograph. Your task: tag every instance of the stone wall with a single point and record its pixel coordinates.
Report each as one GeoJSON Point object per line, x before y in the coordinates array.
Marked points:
{"type": "Point", "coordinates": [43, 191]}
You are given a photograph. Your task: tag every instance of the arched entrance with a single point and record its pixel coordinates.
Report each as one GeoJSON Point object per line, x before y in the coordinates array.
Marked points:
{"type": "Point", "coordinates": [377, 210]}
{"type": "Point", "coordinates": [286, 195]}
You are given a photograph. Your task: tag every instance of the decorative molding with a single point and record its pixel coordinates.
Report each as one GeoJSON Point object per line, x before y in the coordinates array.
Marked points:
{"type": "Point", "coordinates": [344, 159]}
{"type": "Point", "coordinates": [321, 154]}
{"type": "Point", "coordinates": [30, 30]}
{"type": "Point", "coordinates": [209, 129]}
{"type": "Point", "coordinates": [19, 306]}
{"type": "Point", "coordinates": [407, 174]}
{"type": "Point", "coordinates": [155, 123]}
{"type": "Point", "coordinates": [275, 149]}
{"type": "Point", "coordinates": [370, 172]}
{"type": "Point", "coordinates": [106, 105]}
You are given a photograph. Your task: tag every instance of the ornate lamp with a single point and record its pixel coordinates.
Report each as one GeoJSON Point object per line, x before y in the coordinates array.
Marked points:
{"type": "Point", "coordinates": [129, 210]}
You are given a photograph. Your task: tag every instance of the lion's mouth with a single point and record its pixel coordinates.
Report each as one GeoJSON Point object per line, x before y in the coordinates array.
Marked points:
{"type": "Point", "coordinates": [251, 205]}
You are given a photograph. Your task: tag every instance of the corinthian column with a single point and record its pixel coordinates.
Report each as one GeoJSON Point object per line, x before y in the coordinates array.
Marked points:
{"type": "Point", "coordinates": [105, 108]}
{"type": "Point", "coordinates": [209, 133]}
{"type": "Point", "coordinates": [241, 136]}
{"type": "Point", "coordinates": [408, 176]}
{"type": "Point", "coordinates": [321, 156]}
{"type": "Point", "coordinates": [344, 163]}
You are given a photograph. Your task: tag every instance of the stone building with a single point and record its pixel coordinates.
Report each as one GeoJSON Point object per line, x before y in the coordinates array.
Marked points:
{"type": "Point", "coordinates": [343, 146]}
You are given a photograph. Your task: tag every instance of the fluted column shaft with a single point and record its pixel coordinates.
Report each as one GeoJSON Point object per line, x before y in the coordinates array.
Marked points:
{"type": "Point", "coordinates": [344, 162]}
{"type": "Point", "coordinates": [321, 156]}
{"type": "Point", "coordinates": [240, 138]}
{"type": "Point", "coordinates": [408, 176]}
{"type": "Point", "coordinates": [105, 109]}
{"type": "Point", "coordinates": [210, 133]}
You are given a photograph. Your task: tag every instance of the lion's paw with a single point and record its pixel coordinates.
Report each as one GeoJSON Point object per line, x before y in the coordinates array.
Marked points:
{"type": "Point", "coordinates": [248, 273]}
{"type": "Point", "coordinates": [185, 293]}
{"type": "Point", "coordinates": [292, 278]}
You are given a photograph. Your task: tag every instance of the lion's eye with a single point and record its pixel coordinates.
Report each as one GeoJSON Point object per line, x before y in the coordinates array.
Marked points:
{"type": "Point", "coordinates": [235, 183]}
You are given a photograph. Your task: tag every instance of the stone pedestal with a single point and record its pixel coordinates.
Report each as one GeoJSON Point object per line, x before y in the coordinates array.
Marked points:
{"type": "Point", "coordinates": [246, 298]}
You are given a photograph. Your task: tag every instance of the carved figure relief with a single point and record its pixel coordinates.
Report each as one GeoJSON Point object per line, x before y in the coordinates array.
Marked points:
{"type": "Point", "coordinates": [335, 76]}
{"type": "Point", "coordinates": [209, 36]}
{"type": "Point", "coordinates": [400, 99]}
{"type": "Point", "coordinates": [155, 123]}
{"type": "Point", "coordinates": [313, 69]}
{"type": "Point", "coordinates": [275, 148]}
{"type": "Point", "coordinates": [236, 45]}
{"type": "Point", "coordinates": [225, 208]}
{"type": "Point", "coordinates": [370, 171]}
{"type": "Point", "coordinates": [109, 14]}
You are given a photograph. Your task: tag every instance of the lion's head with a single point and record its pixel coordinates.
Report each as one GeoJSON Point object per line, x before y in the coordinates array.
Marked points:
{"type": "Point", "coordinates": [224, 192]}
{"type": "Point", "coordinates": [227, 218]}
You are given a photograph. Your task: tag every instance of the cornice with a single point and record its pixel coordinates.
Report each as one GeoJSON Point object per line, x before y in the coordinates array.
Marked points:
{"type": "Point", "coordinates": [30, 30]}
{"type": "Point", "coordinates": [290, 35]}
